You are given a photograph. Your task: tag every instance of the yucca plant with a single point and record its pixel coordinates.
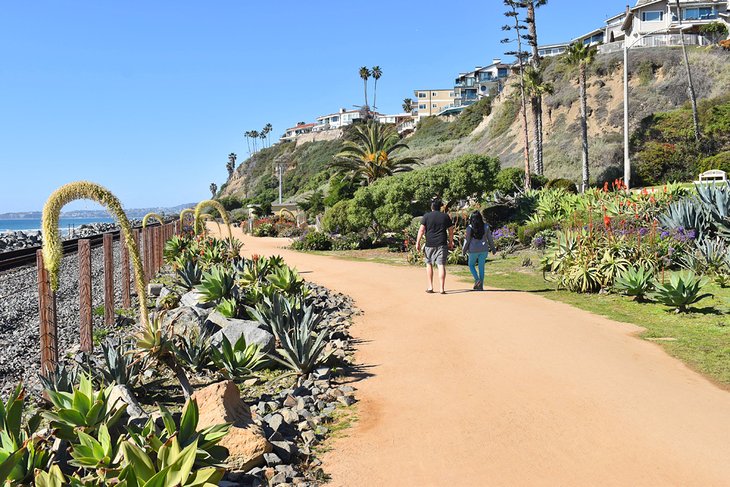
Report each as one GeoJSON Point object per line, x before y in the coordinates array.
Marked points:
{"type": "Point", "coordinates": [83, 409]}
{"type": "Point", "coordinates": [215, 285]}
{"type": "Point", "coordinates": [295, 327]}
{"type": "Point", "coordinates": [635, 281]}
{"type": "Point", "coordinates": [189, 273]}
{"type": "Point", "coordinates": [21, 451]}
{"type": "Point", "coordinates": [237, 361]}
{"type": "Point", "coordinates": [683, 290]}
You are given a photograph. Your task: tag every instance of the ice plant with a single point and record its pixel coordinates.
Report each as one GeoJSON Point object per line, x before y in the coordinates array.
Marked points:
{"type": "Point", "coordinates": [52, 249]}
{"type": "Point", "coordinates": [151, 215]}
{"type": "Point", "coordinates": [204, 204]}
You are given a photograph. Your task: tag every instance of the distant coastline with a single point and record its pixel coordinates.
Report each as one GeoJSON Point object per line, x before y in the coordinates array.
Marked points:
{"type": "Point", "coordinates": [95, 214]}
{"type": "Point", "coordinates": [34, 224]}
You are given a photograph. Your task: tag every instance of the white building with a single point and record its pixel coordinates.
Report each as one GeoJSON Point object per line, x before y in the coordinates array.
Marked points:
{"type": "Point", "coordinates": [294, 132]}
{"type": "Point", "coordinates": [337, 120]}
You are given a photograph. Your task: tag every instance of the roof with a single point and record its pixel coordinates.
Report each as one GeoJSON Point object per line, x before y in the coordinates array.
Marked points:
{"type": "Point", "coordinates": [588, 34]}
{"type": "Point", "coordinates": [435, 89]}
{"type": "Point", "coordinates": [645, 3]}
{"type": "Point", "coordinates": [338, 113]}
{"type": "Point", "coordinates": [299, 127]}
{"type": "Point", "coordinates": [553, 46]}
{"type": "Point", "coordinates": [615, 17]}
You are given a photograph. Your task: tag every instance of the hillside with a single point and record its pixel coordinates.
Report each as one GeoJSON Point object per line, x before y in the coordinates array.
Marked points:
{"type": "Point", "coordinates": [657, 84]}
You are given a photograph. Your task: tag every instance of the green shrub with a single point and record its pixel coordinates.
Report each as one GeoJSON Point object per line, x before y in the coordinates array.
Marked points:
{"type": "Point", "coordinates": [526, 233]}
{"type": "Point", "coordinates": [504, 117]}
{"type": "Point", "coordinates": [661, 162]}
{"type": "Point", "coordinates": [635, 281]}
{"type": "Point", "coordinates": [313, 241]}
{"type": "Point", "coordinates": [230, 202]}
{"type": "Point", "coordinates": [469, 119]}
{"type": "Point", "coordinates": [335, 218]}
{"type": "Point", "coordinates": [264, 230]}
{"type": "Point", "coordinates": [718, 161]}
{"type": "Point", "coordinates": [565, 184]}
{"type": "Point", "coordinates": [352, 241]}
{"type": "Point", "coordinates": [512, 179]}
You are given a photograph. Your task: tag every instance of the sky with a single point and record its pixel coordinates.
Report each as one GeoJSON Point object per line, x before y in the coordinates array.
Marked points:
{"type": "Point", "coordinates": [149, 98]}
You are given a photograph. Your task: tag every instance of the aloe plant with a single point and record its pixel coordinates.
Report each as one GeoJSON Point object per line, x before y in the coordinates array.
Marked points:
{"type": "Point", "coordinates": [237, 361]}
{"type": "Point", "coordinates": [84, 409]}
{"type": "Point", "coordinates": [636, 282]}
{"type": "Point", "coordinates": [152, 343]}
{"type": "Point", "coordinates": [683, 290]}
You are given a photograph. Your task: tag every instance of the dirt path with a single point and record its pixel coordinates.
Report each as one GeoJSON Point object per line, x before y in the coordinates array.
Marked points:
{"type": "Point", "coordinates": [508, 388]}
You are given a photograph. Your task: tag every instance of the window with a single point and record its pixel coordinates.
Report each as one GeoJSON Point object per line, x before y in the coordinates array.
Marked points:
{"type": "Point", "coordinates": [699, 13]}
{"type": "Point", "coordinates": [335, 119]}
{"type": "Point", "coordinates": [421, 107]}
{"type": "Point", "coordinates": [433, 105]}
{"type": "Point", "coordinates": [422, 95]}
{"type": "Point", "coordinates": [434, 94]}
{"type": "Point", "coordinates": [595, 39]}
{"type": "Point", "coordinates": [652, 16]}
{"type": "Point", "coordinates": [451, 95]}
{"type": "Point", "coordinates": [502, 72]}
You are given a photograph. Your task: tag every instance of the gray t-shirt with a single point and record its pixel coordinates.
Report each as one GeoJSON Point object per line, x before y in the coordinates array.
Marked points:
{"type": "Point", "coordinates": [474, 245]}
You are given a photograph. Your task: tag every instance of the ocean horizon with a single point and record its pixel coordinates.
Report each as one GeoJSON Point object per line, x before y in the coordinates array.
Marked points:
{"type": "Point", "coordinates": [34, 224]}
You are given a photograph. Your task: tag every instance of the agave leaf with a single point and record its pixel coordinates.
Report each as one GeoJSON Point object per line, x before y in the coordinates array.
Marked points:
{"type": "Point", "coordinates": [139, 461]}
{"type": "Point", "coordinates": [189, 421]}
{"type": "Point", "coordinates": [10, 462]}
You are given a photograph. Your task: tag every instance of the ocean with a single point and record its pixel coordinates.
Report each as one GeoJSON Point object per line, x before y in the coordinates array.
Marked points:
{"type": "Point", "coordinates": [31, 224]}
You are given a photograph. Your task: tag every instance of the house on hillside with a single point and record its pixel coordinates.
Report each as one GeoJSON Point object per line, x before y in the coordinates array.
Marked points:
{"type": "Point", "coordinates": [301, 128]}
{"type": "Point", "coordinates": [337, 120]}
{"type": "Point", "coordinates": [483, 81]}
{"type": "Point", "coordinates": [431, 102]}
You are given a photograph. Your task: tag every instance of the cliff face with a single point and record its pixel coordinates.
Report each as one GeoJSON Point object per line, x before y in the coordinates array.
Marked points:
{"type": "Point", "coordinates": [657, 83]}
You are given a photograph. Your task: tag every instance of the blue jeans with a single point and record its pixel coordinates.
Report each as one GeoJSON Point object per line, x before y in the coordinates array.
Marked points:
{"type": "Point", "coordinates": [477, 258]}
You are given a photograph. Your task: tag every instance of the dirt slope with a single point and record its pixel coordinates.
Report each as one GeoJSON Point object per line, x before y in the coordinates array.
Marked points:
{"type": "Point", "coordinates": [508, 388]}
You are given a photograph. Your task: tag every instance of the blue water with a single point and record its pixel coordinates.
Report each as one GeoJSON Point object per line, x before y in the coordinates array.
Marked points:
{"type": "Point", "coordinates": [35, 224]}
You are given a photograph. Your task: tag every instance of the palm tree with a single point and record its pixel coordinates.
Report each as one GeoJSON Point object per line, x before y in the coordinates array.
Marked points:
{"type": "Point", "coordinates": [365, 75]}
{"type": "Point", "coordinates": [581, 55]}
{"type": "Point", "coordinates": [262, 136]}
{"type": "Point", "coordinates": [231, 165]}
{"type": "Point", "coordinates": [690, 84]}
{"type": "Point", "coordinates": [377, 73]}
{"type": "Point", "coordinates": [213, 189]}
{"type": "Point", "coordinates": [536, 97]}
{"type": "Point", "coordinates": [370, 155]}
{"type": "Point", "coordinates": [254, 134]}
{"type": "Point", "coordinates": [247, 134]}
{"type": "Point", "coordinates": [269, 128]}
{"type": "Point", "coordinates": [408, 105]}
{"type": "Point", "coordinates": [536, 87]}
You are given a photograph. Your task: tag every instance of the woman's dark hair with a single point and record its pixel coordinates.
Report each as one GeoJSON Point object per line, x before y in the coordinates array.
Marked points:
{"type": "Point", "coordinates": [435, 204]}
{"type": "Point", "coordinates": [477, 225]}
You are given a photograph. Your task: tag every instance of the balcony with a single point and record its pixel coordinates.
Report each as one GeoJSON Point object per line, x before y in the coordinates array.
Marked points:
{"type": "Point", "coordinates": [657, 40]}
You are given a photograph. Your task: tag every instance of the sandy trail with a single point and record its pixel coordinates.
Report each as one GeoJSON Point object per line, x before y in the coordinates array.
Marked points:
{"type": "Point", "coordinates": [507, 388]}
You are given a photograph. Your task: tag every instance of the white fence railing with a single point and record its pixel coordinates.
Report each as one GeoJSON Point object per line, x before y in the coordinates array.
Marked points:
{"type": "Point", "coordinates": [657, 40]}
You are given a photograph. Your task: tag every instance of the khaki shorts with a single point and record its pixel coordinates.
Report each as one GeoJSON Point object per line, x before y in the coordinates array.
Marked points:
{"type": "Point", "coordinates": [437, 255]}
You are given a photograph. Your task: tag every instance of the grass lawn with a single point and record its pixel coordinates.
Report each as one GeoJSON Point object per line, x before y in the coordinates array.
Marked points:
{"type": "Point", "coordinates": [700, 338]}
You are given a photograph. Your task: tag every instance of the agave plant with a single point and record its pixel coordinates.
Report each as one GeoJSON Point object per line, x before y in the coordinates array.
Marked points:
{"type": "Point", "coordinates": [174, 248]}
{"type": "Point", "coordinates": [98, 452]}
{"type": "Point", "coordinates": [215, 285]}
{"type": "Point", "coordinates": [636, 282]}
{"type": "Point", "coordinates": [119, 366]}
{"type": "Point", "coordinates": [710, 257]}
{"type": "Point", "coordinates": [294, 325]}
{"type": "Point", "coordinates": [237, 361]}
{"type": "Point", "coordinates": [682, 290]}
{"type": "Point", "coordinates": [715, 199]}
{"type": "Point", "coordinates": [61, 378]}
{"type": "Point", "coordinates": [153, 343]}
{"type": "Point", "coordinates": [21, 451]}
{"type": "Point", "coordinates": [286, 280]}
{"type": "Point", "coordinates": [228, 307]}
{"type": "Point", "coordinates": [189, 273]}
{"type": "Point", "coordinates": [610, 267]}
{"type": "Point", "coordinates": [83, 410]}
{"type": "Point", "coordinates": [194, 351]}
{"type": "Point", "coordinates": [582, 277]}
{"type": "Point", "coordinates": [686, 214]}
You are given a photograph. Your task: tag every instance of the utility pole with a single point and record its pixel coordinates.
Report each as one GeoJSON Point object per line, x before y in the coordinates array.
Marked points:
{"type": "Point", "coordinates": [280, 167]}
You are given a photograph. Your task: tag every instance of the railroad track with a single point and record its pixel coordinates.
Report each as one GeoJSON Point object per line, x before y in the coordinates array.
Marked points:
{"type": "Point", "coordinates": [21, 257]}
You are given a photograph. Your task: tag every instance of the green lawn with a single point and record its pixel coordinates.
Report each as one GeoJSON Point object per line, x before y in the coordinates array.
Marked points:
{"type": "Point", "coordinates": [700, 338]}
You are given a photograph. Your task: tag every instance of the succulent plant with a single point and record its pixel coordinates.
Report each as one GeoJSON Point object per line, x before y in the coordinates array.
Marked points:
{"type": "Point", "coordinates": [153, 343]}
{"type": "Point", "coordinates": [237, 361]}
{"type": "Point", "coordinates": [215, 204]}
{"type": "Point", "coordinates": [635, 281]}
{"type": "Point", "coordinates": [215, 285]}
{"type": "Point", "coordinates": [119, 366]}
{"type": "Point", "coordinates": [61, 378]}
{"type": "Point", "coordinates": [190, 274]}
{"type": "Point", "coordinates": [682, 290]}
{"type": "Point", "coordinates": [194, 351]}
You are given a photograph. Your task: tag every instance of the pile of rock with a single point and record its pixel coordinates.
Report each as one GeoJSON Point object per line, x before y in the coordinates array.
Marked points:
{"type": "Point", "coordinates": [19, 240]}
{"type": "Point", "coordinates": [23, 239]}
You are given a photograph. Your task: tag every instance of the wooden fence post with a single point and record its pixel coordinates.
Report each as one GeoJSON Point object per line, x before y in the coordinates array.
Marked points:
{"type": "Point", "coordinates": [86, 324]}
{"type": "Point", "coordinates": [108, 279]}
{"type": "Point", "coordinates": [147, 253]}
{"type": "Point", "coordinates": [137, 240]}
{"type": "Point", "coordinates": [126, 295]}
{"type": "Point", "coordinates": [47, 318]}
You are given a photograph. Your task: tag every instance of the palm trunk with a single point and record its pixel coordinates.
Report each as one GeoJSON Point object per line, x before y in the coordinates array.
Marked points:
{"type": "Point", "coordinates": [537, 101]}
{"type": "Point", "coordinates": [375, 94]}
{"type": "Point", "coordinates": [536, 163]}
{"type": "Point", "coordinates": [365, 83]}
{"type": "Point", "coordinates": [539, 143]}
{"type": "Point", "coordinates": [690, 84]}
{"type": "Point", "coordinates": [584, 125]}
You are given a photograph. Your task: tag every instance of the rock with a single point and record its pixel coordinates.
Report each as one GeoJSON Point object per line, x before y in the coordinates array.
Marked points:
{"type": "Point", "coordinates": [275, 421]}
{"type": "Point", "coordinates": [346, 400]}
{"type": "Point", "coordinates": [289, 416]}
{"type": "Point", "coordinates": [134, 410]}
{"type": "Point", "coordinates": [308, 437]}
{"type": "Point", "coordinates": [290, 401]}
{"type": "Point", "coordinates": [192, 298]}
{"type": "Point", "coordinates": [284, 450]}
{"type": "Point", "coordinates": [248, 329]}
{"type": "Point", "coordinates": [277, 479]}
{"type": "Point", "coordinates": [154, 289]}
{"type": "Point", "coordinates": [183, 320]}
{"type": "Point", "coordinates": [221, 403]}
{"type": "Point", "coordinates": [287, 470]}
{"type": "Point", "coordinates": [272, 459]}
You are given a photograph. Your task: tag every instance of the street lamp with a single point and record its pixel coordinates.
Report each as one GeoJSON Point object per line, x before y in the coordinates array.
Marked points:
{"type": "Point", "coordinates": [627, 160]}
{"type": "Point", "coordinates": [280, 168]}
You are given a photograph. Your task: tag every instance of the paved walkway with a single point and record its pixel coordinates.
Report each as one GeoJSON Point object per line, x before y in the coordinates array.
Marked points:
{"type": "Point", "coordinates": [508, 388]}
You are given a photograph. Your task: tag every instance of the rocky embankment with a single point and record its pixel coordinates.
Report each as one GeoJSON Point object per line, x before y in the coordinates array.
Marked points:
{"type": "Point", "coordinates": [23, 239]}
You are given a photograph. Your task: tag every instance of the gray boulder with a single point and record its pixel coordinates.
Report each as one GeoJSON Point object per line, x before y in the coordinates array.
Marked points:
{"type": "Point", "coordinates": [192, 298]}
{"type": "Point", "coordinates": [183, 320]}
{"type": "Point", "coordinates": [233, 329]}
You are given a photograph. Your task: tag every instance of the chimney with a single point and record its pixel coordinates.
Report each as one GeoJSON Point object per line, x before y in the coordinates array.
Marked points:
{"type": "Point", "coordinates": [496, 60]}
{"type": "Point", "coordinates": [342, 110]}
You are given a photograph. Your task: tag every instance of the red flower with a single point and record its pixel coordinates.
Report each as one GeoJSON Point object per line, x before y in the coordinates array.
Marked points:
{"type": "Point", "coordinates": [607, 221]}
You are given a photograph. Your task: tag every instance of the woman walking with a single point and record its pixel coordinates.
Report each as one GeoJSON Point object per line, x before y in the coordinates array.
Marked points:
{"type": "Point", "coordinates": [477, 243]}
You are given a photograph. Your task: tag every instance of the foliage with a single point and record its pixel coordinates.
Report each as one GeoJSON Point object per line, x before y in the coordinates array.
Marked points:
{"type": "Point", "coordinates": [469, 119]}
{"type": "Point", "coordinates": [340, 189]}
{"type": "Point", "coordinates": [372, 155]}
{"type": "Point", "coordinates": [504, 117]}
{"type": "Point", "coordinates": [190, 274]}
{"type": "Point", "coordinates": [194, 351]}
{"type": "Point", "coordinates": [314, 203]}
{"type": "Point", "coordinates": [335, 219]}
{"type": "Point", "coordinates": [237, 361]}
{"type": "Point", "coordinates": [635, 281]}
{"type": "Point", "coordinates": [118, 366]}
{"type": "Point", "coordinates": [719, 161]}
{"type": "Point", "coordinates": [61, 378]}
{"type": "Point", "coordinates": [352, 241]}
{"type": "Point", "coordinates": [564, 184]}
{"type": "Point", "coordinates": [682, 290]}
{"type": "Point", "coordinates": [215, 285]}
{"type": "Point", "coordinates": [511, 180]}
{"type": "Point", "coordinates": [294, 325]}
{"type": "Point", "coordinates": [286, 280]}
{"type": "Point", "coordinates": [313, 241]}
{"type": "Point", "coordinates": [52, 249]}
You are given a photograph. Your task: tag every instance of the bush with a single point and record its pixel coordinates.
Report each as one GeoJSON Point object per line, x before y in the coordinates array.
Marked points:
{"type": "Point", "coordinates": [335, 218]}
{"type": "Point", "coordinates": [511, 179]}
{"type": "Point", "coordinates": [469, 119]}
{"type": "Point", "coordinates": [662, 162]}
{"type": "Point", "coordinates": [527, 232]}
{"type": "Point", "coordinates": [230, 202]}
{"type": "Point", "coordinates": [313, 241]}
{"type": "Point", "coordinates": [718, 161]}
{"type": "Point", "coordinates": [565, 184]}
{"type": "Point", "coordinates": [352, 241]}
{"type": "Point", "coordinates": [264, 230]}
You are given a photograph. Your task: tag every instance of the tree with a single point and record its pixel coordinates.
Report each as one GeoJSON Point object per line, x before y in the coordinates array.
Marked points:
{"type": "Point", "coordinates": [269, 128]}
{"type": "Point", "coordinates": [254, 134]}
{"type": "Point", "coordinates": [231, 165]}
{"type": "Point", "coordinates": [536, 96]}
{"type": "Point", "coordinates": [690, 84]}
{"type": "Point", "coordinates": [247, 134]}
{"type": "Point", "coordinates": [581, 55]}
{"type": "Point", "coordinates": [370, 155]}
{"type": "Point", "coordinates": [365, 75]}
{"type": "Point", "coordinates": [408, 105]}
{"type": "Point", "coordinates": [518, 28]}
{"type": "Point", "coordinates": [536, 87]}
{"type": "Point", "coordinates": [377, 73]}
{"type": "Point", "coordinates": [262, 136]}
{"type": "Point", "coordinates": [213, 189]}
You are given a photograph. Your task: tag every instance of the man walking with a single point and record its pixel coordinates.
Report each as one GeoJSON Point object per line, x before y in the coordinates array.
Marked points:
{"type": "Point", "coordinates": [439, 231]}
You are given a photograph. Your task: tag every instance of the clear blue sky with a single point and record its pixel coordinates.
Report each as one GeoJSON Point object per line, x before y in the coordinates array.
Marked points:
{"type": "Point", "coordinates": [148, 98]}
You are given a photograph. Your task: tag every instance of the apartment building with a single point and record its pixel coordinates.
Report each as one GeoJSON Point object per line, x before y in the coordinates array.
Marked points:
{"type": "Point", "coordinates": [299, 129]}
{"type": "Point", "coordinates": [337, 120]}
{"type": "Point", "coordinates": [483, 81]}
{"type": "Point", "coordinates": [431, 102]}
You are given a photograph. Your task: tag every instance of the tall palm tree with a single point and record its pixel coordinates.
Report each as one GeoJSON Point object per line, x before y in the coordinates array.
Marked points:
{"type": "Point", "coordinates": [536, 87]}
{"type": "Point", "coordinates": [254, 134]}
{"type": "Point", "coordinates": [581, 55]}
{"type": "Point", "coordinates": [408, 105]}
{"type": "Point", "coordinates": [247, 134]}
{"type": "Point", "coordinates": [269, 128]}
{"type": "Point", "coordinates": [377, 73]}
{"type": "Point", "coordinates": [262, 136]}
{"type": "Point", "coordinates": [536, 100]}
{"type": "Point", "coordinates": [231, 165]}
{"type": "Point", "coordinates": [365, 75]}
{"type": "Point", "coordinates": [213, 189]}
{"type": "Point", "coordinates": [690, 84]}
{"type": "Point", "coordinates": [370, 155]}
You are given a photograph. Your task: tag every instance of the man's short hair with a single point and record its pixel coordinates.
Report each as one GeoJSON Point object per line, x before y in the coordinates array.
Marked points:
{"type": "Point", "coordinates": [435, 204]}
